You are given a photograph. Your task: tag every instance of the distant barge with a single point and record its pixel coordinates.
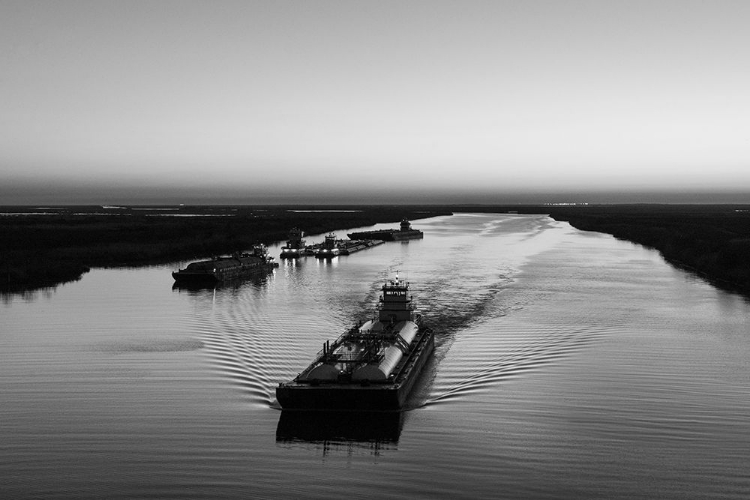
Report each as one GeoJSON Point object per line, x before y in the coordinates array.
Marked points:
{"type": "Point", "coordinates": [241, 265]}
{"type": "Point", "coordinates": [405, 232]}
{"type": "Point", "coordinates": [332, 247]}
{"type": "Point", "coordinates": [373, 366]}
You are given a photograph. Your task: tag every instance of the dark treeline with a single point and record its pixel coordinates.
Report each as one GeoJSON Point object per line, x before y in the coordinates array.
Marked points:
{"type": "Point", "coordinates": [45, 250]}
{"type": "Point", "coordinates": [712, 241]}
{"type": "Point", "coordinates": [59, 245]}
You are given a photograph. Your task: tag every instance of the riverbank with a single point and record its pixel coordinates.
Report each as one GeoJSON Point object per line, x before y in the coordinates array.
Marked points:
{"type": "Point", "coordinates": [44, 247]}
{"type": "Point", "coordinates": [711, 241]}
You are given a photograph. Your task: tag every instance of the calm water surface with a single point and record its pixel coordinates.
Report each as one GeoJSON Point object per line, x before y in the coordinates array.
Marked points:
{"type": "Point", "coordinates": [568, 365]}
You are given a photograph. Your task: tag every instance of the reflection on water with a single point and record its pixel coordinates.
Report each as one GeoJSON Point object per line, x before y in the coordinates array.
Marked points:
{"type": "Point", "coordinates": [233, 284]}
{"type": "Point", "coordinates": [346, 426]}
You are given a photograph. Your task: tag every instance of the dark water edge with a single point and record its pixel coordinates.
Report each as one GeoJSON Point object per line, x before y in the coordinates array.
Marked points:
{"type": "Point", "coordinates": [43, 247]}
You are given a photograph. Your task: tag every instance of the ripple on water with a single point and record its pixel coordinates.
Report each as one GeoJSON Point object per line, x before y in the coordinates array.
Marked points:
{"type": "Point", "coordinates": [151, 345]}
{"type": "Point", "coordinates": [495, 351]}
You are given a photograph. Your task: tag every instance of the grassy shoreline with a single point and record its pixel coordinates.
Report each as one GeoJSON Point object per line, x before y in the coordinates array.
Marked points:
{"type": "Point", "coordinates": [61, 244]}
{"type": "Point", "coordinates": [710, 241]}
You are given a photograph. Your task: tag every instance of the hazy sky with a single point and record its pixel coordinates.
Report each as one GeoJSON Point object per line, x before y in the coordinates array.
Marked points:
{"type": "Point", "coordinates": [272, 101]}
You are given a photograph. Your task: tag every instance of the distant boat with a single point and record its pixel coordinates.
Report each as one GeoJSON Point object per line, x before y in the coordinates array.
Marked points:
{"type": "Point", "coordinates": [404, 232]}
{"type": "Point", "coordinates": [295, 246]}
{"type": "Point", "coordinates": [373, 366]}
{"type": "Point", "coordinates": [240, 265]}
{"type": "Point", "coordinates": [332, 247]}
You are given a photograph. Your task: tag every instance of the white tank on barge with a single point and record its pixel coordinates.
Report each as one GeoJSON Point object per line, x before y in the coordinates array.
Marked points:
{"type": "Point", "coordinates": [373, 366]}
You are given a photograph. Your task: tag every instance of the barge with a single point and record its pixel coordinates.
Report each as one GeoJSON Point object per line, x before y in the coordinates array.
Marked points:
{"type": "Point", "coordinates": [373, 366]}
{"type": "Point", "coordinates": [404, 232]}
{"type": "Point", "coordinates": [332, 247]}
{"type": "Point", "coordinates": [237, 266]}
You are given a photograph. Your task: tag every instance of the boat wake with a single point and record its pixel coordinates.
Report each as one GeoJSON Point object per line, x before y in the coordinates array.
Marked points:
{"type": "Point", "coordinates": [248, 344]}
{"type": "Point", "coordinates": [473, 291]}
{"type": "Point", "coordinates": [485, 357]}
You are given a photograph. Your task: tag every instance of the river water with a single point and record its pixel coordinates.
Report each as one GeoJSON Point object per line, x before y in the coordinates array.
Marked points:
{"type": "Point", "coordinates": [568, 364]}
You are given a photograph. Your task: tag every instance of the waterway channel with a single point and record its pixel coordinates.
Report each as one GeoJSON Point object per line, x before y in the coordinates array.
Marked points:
{"type": "Point", "coordinates": [568, 364]}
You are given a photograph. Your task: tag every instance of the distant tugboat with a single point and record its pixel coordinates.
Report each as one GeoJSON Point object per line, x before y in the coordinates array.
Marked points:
{"type": "Point", "coordinates": [405, 232]}
{"type": "Point", "coordinates": [295, 246]}
{"type": "Point", "coordinates": [237, 266]}
{"type": "Point", "coordinates": [332, 247]}
{"type": "Point", "coordinates": [329, 248]}
{"type": "Point", "coordinates": [373, 366]}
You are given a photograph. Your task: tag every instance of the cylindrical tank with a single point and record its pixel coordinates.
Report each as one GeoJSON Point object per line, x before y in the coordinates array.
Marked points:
{"type": "Point", "coordinates": [371, 326]}
{"type": "Point", "coordinates": [330, 371]}
{"type": "Point", "coordinates": [392, 354]}
{"type": "Point", "coordinates": [323, 372]}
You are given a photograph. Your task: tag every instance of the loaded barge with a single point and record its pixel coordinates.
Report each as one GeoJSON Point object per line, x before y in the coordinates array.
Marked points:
{"type": "Point", "coordinates": [404, 232]}
{"type": "Point", "coordinates": [332, 247]}
{"type": "Point", "coordinates": [373, 366]}
{"type": "Point", "coordinates": [240, 265]}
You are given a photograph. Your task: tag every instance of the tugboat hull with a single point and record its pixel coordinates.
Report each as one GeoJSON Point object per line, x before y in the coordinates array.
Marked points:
{"type": "Point", "coordinates": [295, 246]}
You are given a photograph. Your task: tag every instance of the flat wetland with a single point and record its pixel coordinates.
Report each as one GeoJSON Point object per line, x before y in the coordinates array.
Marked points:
{"type": "Point", "coordinates": [45, 246]}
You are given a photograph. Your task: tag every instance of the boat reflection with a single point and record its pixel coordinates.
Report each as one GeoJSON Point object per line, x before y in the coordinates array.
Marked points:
{"type": "Point", "coordinates": [369, 428]}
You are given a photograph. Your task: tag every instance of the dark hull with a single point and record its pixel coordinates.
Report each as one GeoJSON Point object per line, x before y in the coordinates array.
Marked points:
{"type": "Point", "coordinates": [321, 425]}
{"type": "Point", "coordinates": [407, 235]}
{"type": "Point", "coordinates": [356, 246]}
{"type": "Point", "coordinates": [355, 396]}
{"type": "Point", "coordinates": [387, 235]}
{"type": "Point", "coordinates": [295, 253]}
{"type": "Point", "coordinates": [330, 254]}
{"type": "Point", "coordinates": [227, 274]}
{"type": "Point", "coordinates": [195, 278]}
